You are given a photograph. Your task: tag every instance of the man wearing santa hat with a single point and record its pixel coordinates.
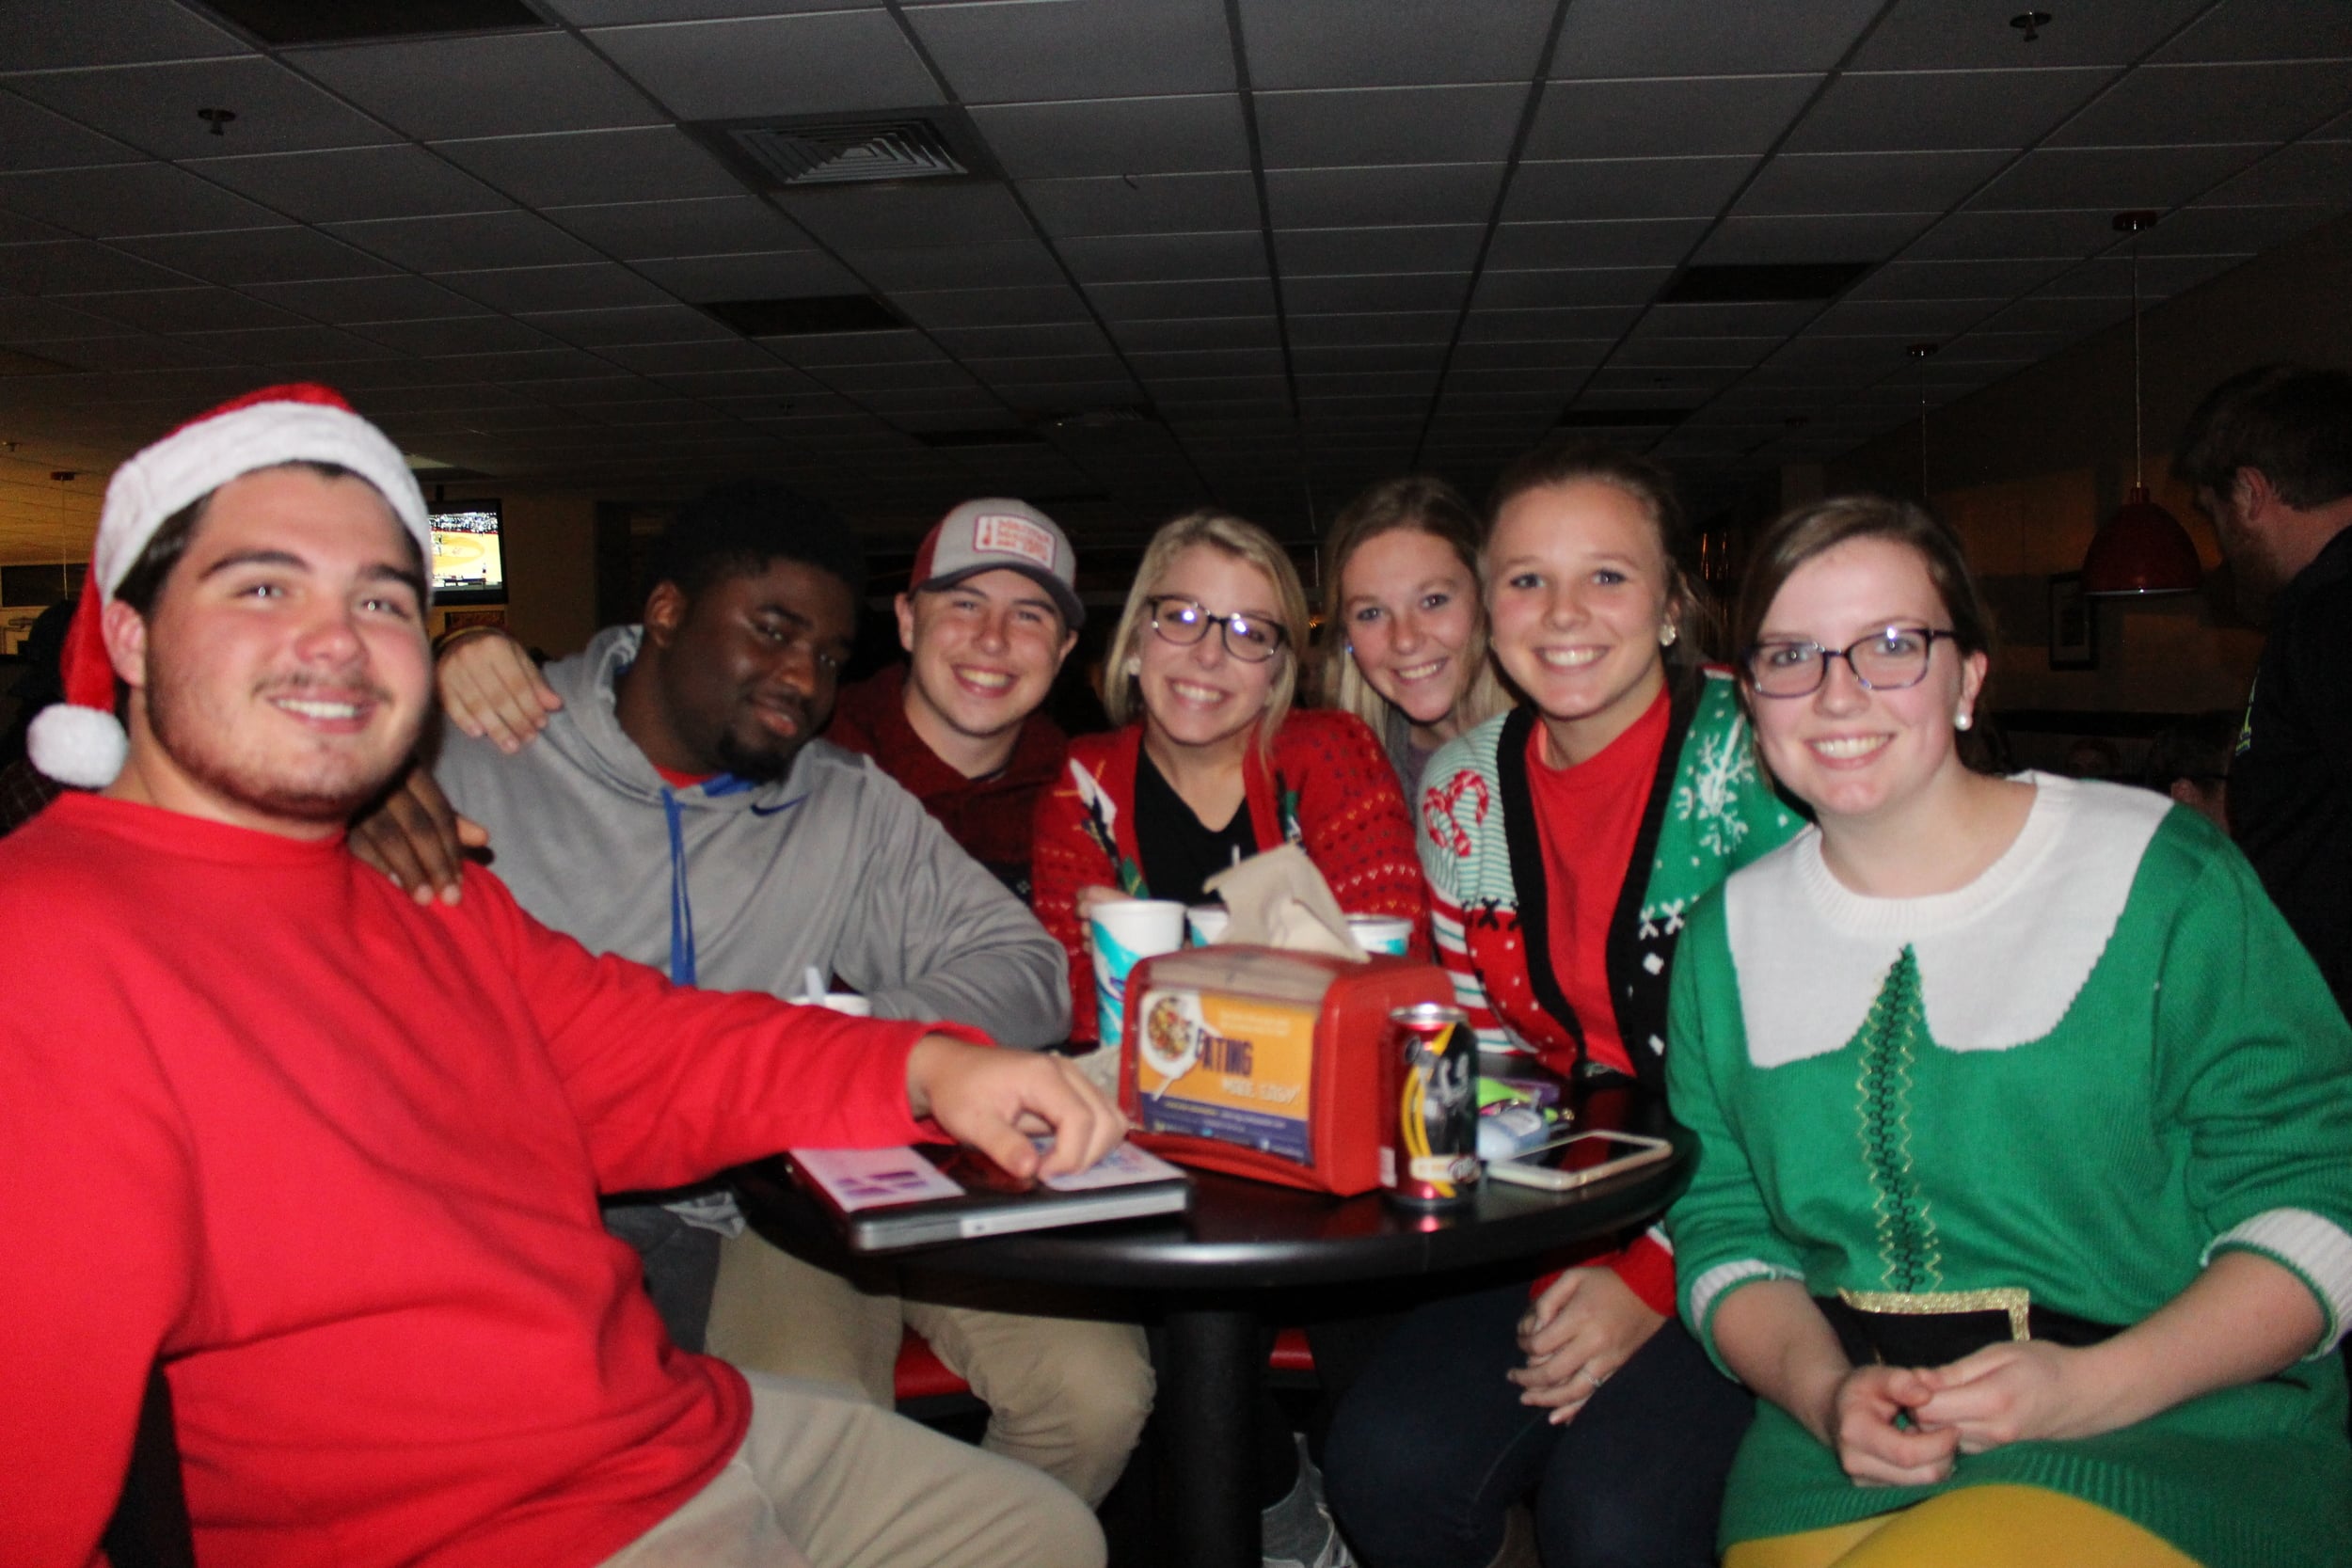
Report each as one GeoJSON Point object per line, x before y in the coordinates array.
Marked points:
{"type": "Point", "coordinates": [331, 1157]}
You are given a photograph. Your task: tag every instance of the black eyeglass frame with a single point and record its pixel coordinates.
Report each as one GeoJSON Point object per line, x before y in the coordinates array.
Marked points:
{"type": "Point", "coordinates": [1223, 623]}
{"type": "Point", "coordinates": [1820, 665]}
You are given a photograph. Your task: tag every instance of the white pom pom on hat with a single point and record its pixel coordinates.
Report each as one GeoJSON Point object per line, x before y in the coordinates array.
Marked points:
{"type": "Point", "coordinates": [79, 741]}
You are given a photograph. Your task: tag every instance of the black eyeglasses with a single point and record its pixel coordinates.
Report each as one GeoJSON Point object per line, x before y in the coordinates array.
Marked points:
{"type": "Point", "coordinates": [1887, 661]}
{"type": "Point", "coordinates": [1186, 621]}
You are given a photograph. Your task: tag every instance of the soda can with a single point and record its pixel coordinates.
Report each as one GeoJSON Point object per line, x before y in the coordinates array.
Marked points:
{"type": "Point", "coordinates": [1430, 1061]}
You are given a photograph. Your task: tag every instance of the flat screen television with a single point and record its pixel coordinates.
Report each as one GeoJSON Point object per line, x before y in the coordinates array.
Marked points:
{"type": "Point", "coordinates": [468, 563]}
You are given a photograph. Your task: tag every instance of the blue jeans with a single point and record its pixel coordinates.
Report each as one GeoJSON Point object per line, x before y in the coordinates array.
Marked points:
{"type": "Point", "coordinates": [681, 1263]}
{"type": "Point", "coordinates": [1431, 1447]}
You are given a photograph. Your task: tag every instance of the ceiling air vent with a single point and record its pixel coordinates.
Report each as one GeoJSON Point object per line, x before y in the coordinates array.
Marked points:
{"type": "Point", "coordinates": [808, 152]}
{"type": "Point", "coordinates": [803, 317]}
{"type": "Point", "coordinates": [1762, 283]}
{"type": "Point", "coordinates": [288, 22]}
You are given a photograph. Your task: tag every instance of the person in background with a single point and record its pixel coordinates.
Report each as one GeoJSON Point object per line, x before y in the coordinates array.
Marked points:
{"type": "Point", "coordinates": [331, 1157]}
{"type": "Point", "coordinates": [1563, 843]}
{"type": "Point", "coordinates": [678, 810]}
{"type": "Point", "coordinates": [23, 788]}
{"type": "Point", "coordinates": [2270, 455]}
{"type": "Point", "coordinates": [2190, 761]}
{"type": "Point", "coordinates": [2020, 1198]}
{"type": "Point", "coordinates": [1213, 764]}
{"type": "Point", "coordinates": [1406, 637]}
{"type": "Point", "coordinates": [2092, 757]}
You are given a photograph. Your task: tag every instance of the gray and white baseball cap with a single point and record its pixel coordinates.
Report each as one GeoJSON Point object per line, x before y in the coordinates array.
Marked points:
{"type": "Point", "coordinates": [997, 533]}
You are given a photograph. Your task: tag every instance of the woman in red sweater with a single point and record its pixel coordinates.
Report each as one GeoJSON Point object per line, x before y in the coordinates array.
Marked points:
{"type": "Point", "coordinates": [1211, 763]}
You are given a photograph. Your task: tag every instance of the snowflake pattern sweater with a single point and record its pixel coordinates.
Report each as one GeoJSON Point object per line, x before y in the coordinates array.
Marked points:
{"type": "Point", "coordinates": [1709, 810]}
{"type": "Point", "coordinates": [2100, 1063]}
{"type": "Point", "coordinates": [1328, 788]}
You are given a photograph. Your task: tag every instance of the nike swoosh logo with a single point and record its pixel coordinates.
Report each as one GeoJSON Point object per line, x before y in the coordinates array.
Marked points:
{"type": "Point", "coordinates": [771, 811]}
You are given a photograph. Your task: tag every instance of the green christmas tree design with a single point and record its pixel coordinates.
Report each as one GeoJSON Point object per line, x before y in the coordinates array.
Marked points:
{"type": "Point", "coordinates": [1890, 1040]}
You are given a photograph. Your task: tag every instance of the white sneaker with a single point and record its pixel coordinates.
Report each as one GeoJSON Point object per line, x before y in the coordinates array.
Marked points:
{"type": "Point", "coordinates": [1330, 1551]}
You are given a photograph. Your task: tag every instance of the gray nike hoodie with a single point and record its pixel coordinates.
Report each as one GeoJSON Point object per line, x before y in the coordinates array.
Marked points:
{"type": "Point", "coordinates": [834, 866]}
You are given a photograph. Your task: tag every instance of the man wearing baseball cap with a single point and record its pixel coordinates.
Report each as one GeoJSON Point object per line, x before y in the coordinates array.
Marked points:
{"type": "Point", "coordinates": [330, 1155]}
{"type": "Point", "coordinates": [990, 613]}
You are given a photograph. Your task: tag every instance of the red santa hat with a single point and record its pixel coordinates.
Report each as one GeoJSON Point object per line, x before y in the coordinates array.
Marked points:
{"type": "Point", "coordinates": [78, 741]}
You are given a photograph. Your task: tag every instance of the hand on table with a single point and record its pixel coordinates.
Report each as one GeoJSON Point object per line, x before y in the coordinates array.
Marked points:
{"type": "Point", "coordinates": [417, 838]}
{"type": "Point", "coordinates": [996, 1101]}
{"type": "Point", "coordinates": [1586, 1324]}
{"type": "Point", "coordinates": [492, 690]}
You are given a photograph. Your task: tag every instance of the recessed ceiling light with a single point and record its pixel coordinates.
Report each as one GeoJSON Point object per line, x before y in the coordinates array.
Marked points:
{"type": "Point", "coordinates": [288, 22]}
{"type": "Point", "coordinates": [1762, 283]}
{"type": "Point", "coordinates": [803, 317]}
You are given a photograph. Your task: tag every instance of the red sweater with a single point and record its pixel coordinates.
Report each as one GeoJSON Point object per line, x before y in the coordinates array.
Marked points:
{"type": "Point", "coordinates": [335, 1159]}
{"type": "Point", "coordinates": [989, 817]}
{"type": "Point", "coordinates": [1330, 779]}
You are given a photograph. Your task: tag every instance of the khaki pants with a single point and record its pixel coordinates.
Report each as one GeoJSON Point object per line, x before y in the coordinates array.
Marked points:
{"type": "Point", "coordinates": [1067, 1395]}
{"type": "Point", "coordinates": [825, 1479]}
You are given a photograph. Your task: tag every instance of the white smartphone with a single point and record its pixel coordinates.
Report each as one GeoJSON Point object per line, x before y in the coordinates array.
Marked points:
{"type": "Point", "coordinates": [1578, 1159]}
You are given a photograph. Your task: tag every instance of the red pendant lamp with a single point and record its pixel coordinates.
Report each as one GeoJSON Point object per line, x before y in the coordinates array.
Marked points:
{"type": "Point", "coordinates": [2142, 549]}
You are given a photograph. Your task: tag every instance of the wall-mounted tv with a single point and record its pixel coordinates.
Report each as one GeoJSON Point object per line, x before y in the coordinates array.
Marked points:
{"type": "Point", "coordinates": [468, 563]}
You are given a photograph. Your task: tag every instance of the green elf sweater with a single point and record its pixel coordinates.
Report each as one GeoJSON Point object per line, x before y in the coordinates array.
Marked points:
{"type": "Point", "coordinates": [2101, 1062]}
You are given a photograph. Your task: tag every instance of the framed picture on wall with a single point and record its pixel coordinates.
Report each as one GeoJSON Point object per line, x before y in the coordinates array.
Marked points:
{"type": "Point", "coordinates": [2073, 624]}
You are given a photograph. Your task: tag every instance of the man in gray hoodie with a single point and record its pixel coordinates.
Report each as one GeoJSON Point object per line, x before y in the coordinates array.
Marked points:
{"type": "Point", "coordinates": [675, 809]}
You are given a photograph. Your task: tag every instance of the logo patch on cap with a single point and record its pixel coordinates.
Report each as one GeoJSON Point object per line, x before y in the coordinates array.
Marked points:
{"type": "Point", "coordinates": [1001, 533]}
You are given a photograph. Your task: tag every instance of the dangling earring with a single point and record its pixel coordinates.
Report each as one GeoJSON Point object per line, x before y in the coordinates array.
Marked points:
{"type": "Point", "coordinates": [1133, 666]}
{"type": "Point", "coordinates": [1666, 635]}
{"type": "Point", "coordinates": [1963, 720]}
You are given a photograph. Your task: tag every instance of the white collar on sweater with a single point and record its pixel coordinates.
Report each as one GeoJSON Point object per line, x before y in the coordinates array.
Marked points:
{"type": "Point", "coordinates": [2000, 960]}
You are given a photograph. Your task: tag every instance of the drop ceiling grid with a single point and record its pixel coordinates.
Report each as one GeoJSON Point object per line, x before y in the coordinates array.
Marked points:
{"type": "Point", "coordinates": [1394, 233]}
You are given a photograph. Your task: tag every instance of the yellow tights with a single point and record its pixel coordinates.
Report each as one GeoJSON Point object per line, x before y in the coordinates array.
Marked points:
{"type": "Point", "coordinates": [1976, 1527]}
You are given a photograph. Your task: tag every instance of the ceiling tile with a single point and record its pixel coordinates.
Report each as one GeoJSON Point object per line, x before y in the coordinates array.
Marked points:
{"type": "Point", "coordinates": [911, 216]}
{"type": "Point", "coordinates": [1583, 288]}
{"type": "Point", "coordinates": [241, 256]}
{"type": "Point", "coordinates": [115, 32]}
{"type": "Point", "coordinates": [77, 266]}
{"type": "Point", "coordinates": [186, 309]}
{"type": "Point", "coordinates": [651, 323]}
{"type": "Point", "coordinates": [2214, 229]}
{"type": "Point", "coordinates": [484, 86]}
{"type": "Point", "coordinates": [463, 241]}
{"type": "Point", "coordinates": [2117, 178]}
{"type": "Point", "coordinates": [1705, 38]}
{"type": "Point", "coordinates": [1331, 128]}
{"type": "Point", "coordinates": [127, 198]}
{"type": "Point", "coordinates": [1694, 353]}
{"type": "Point", "coordinates": [1143, 204]}
{"type": "Point", "coordinates": [1624, 188]}
{"type": "Point", "coordinates": [2264, 30]}
{"type": "Point", "coordinates": [455, 335]}
{"type": "Point", "coordinates": [826, 63]}
{"type": "Point", "coordinates": [596, 285]}
{"type": "Point", "coordinates": [23, 230]}
{"type": "Point", "coordinates": [1030, 50]}
{"type": "Point", "coordinates": [1339, 44]}
{"type": "Point", "coordinates": [1235, 297]}
{"type": "Point", "coordinates": [719, 364]}
{"type": "Point", "coordinates": [1376, 358]}
{"type": "Point", "coordinates": [1665, 118]}
{"type": "Point", "coordinates": [1331, 252]}
{"type": "Point", "coordinates": [357, 182]}
{"type": "Point", "coordinates": [1819, 183]}
{"type": "Point", "coordinates": [1925, 35]}
{"type": "Point", "coordinates": [1935, 319]}
{"type": "Point", "coordinates": [153, 107]}
{"type": "Point", "coordinates": [32, 320]}
{"type": "Point", "coordinates": [2041, 314]}
{"type": "Point", "coordinates": [1403, 291]}
{"type": "Point", "coordinates": [1205, 333]}
{"type": "Point", "coordinates": [1417, 326]}
{"type": "Point", "coordinates": [35, 139]}
{"type": "Point", "coordinates": [893, 348]}
{"type": "Point", "coordinates": [1565, 354]}
{"type": "Point", "coordinates": [1406, 193]}
{"type": "Point", "coordinates": [773, 275]}
{"type": "Point", "coordinates": [2309, 171]}
{"type": "Point", "coordinates": [367, 299]}
{"type": "Point", "coordinates": [1921, 111]}
{"type": "Point", "coordinates": [991, 306]}
{"type": "Point", "coordinates": [1982, 236]}
{"type": "Point", "coordinates": [1007, 264]}
{"type": "Point", "coordinates": [1603, 243]}
{"type": "Point", "coordinates": [653, 164]}
{"type": "Point", "coordinates": [633, 230]}
{"type": "Point", "coordinates": [528, 364]}
{"type": "Point", "coordinates": [2158, 106]}
{"type": "Point", "coordinates": [147, 353]}
{"type": "Point", "coordinates": [1058, 338]}
{"type": "Point", "coordinates": [1990, 279]}
{"type": "Point", "coordinates": [1852, 237]}
{"type": "Point", "coordinates": [1116, 136]}
{"type": "Point", "coordinates": [1149, 257]}
{"type": "Point", "coordinates": [1574, 324]}
{"type": "Point", "coordinates": [1216, 361]}
{"type": "Point", "coordinates": [1759, 319]}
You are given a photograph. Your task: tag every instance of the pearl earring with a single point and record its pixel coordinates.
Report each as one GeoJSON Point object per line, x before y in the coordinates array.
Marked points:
{"type": "Point", "coordinates": [1666, 635]}
{"type": "Point", "coordinates": [1134, 665]}
{"type": "Point", "coordinates": [1963, 720]}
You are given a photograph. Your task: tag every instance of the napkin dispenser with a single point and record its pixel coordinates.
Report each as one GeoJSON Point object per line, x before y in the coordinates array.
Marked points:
{"type": "Point", "coordinates": [1267, 1063]}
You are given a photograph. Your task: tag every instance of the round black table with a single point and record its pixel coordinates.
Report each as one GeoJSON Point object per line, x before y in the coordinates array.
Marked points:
{"type": "Point", "coordinates": [1207, 1266]}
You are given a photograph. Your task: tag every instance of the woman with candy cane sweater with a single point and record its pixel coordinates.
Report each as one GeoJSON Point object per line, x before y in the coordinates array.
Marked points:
{"type": "Point", "coordinates": [1561, 842]}
{"type": "Point", "coordinates": [1212, 764]}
